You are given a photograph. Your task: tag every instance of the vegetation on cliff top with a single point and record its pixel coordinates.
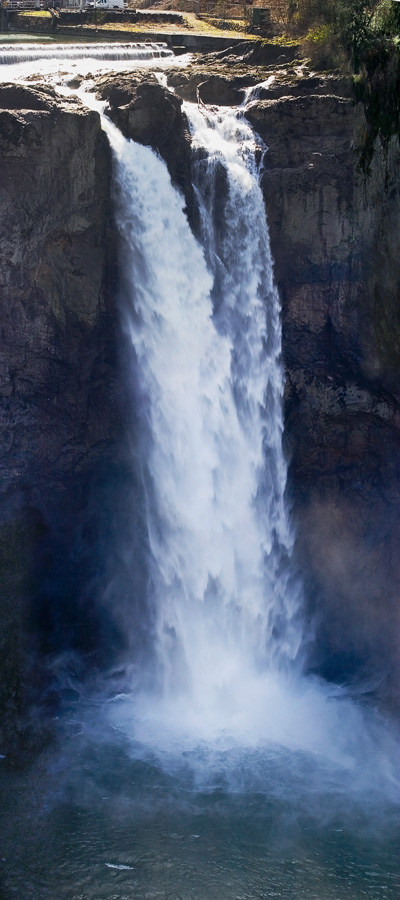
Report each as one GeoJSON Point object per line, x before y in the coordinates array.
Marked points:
{"type": "Point", "coordinates": [363, 37]}
{"type": "Point", "coordinates": [344, 31]}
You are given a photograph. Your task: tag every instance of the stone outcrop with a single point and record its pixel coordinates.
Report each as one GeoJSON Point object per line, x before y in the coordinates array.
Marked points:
{"type": "Point", "coordinates": [146, 112]}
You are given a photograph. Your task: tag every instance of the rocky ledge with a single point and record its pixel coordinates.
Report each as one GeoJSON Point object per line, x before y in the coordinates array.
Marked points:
{"type": "Point", "coordinates": [146, 112]}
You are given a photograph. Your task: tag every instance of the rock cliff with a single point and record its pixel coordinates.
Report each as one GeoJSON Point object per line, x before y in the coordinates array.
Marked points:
{"type": "Point", "coordinates": [335, 244]}
{"type": "Point", "coordinates": [336, 248]}
{"type": "Point", "coordinates": [59, 414]}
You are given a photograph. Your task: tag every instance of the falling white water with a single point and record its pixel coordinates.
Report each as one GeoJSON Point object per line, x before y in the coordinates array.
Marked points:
{"type": "Point", "coordinates": [247, 312]}
{"type": "Point", "coordinates": [253, 92]}
{"type": "Point", "coordinates": [205, 328]}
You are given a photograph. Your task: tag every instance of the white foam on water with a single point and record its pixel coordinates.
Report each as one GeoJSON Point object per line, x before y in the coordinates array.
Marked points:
{"type": "Point", "coordinates": [56, 63]}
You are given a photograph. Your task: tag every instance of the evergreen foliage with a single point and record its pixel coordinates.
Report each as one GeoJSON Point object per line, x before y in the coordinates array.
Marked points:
{"type": "Point", "coordinates": [351, 28]}
{"type": "Point", "coordinates": [363, 35]}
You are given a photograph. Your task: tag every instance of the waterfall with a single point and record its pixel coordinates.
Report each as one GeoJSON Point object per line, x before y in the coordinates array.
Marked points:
{"type": "Point", "coordinates": [205, 329]}
{"type": "Point", "coordinates": [221, 771]}
{"type": "Point", "coordinates": [203, 318]}
{"type": "Point", "coordinates": [247, 311]}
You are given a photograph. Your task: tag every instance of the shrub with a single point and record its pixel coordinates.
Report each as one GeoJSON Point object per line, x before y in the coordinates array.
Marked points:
{"type": "Point", "coordinates": [350, 27]}
{"type": "Point", "coordinates": [378, 87]}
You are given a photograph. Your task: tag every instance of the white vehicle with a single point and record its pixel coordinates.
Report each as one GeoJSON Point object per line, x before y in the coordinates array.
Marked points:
{"type": "Point", "coordinates": [106, 4]}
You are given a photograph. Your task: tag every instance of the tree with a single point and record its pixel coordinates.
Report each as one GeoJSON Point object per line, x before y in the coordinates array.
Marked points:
{"type": "Point", "coordinates": [354, 27]}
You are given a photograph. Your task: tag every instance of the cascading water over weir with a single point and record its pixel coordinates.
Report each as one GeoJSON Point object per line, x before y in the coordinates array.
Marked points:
{"type": "Point", "coordinates": [221, 770]}
{"type": "Point", "coordinates": [104, 53]}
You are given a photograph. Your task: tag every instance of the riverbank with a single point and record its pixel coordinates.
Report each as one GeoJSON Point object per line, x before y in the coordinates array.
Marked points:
{"type": "Point", "coordinates": [191, 35]}
{"type": "Point", "coordinates": [175, 28]}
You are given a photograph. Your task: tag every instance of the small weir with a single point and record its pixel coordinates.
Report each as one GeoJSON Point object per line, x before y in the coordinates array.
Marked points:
{"type": "Point", "coordinates": [130, 52]}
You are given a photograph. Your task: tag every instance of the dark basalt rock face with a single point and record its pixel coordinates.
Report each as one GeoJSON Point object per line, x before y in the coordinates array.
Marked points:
{"type": "Point", "coordinates": [17, 96]}
{"type": "Point", "coordinates": [146, 112]}
{"type": "Point", "coordinates": [336, 249]}
{"type": "Point", "coordinates": [59, 394]}
{"type": "Point", "coordinates": [55, 310]}
{"type": "Point", "coordinates": [201, 83]}
{"type": "Point", "coordinates": [219, 90]}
